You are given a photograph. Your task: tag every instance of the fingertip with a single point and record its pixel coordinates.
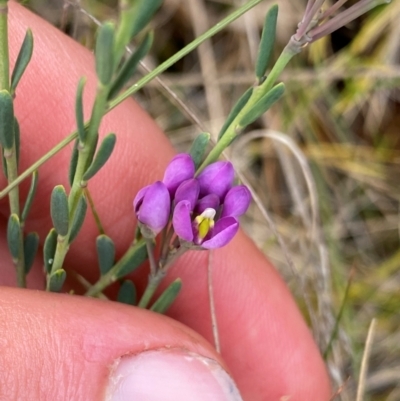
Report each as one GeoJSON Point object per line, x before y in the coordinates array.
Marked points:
{"type": "Point", "coordinates": [64, 347]}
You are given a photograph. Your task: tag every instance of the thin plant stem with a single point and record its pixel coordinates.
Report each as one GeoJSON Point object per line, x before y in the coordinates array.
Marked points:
{"type": "Point", "coordinates": [364, 363]}
{"type": "Point", "coordinates": [94, 211]}
{"type": "Point", "coordinates": [134, 88]}
{"type": "Point", "coordinates": [35, 166]}
{"type": "Point", "coordinates": [150, 254]}
{"type": "Point", "coordinates": [186, 50]}
{"type": "Point", "coordinates": [308, 17]}
{"type": "Point", "coordinates": [234, 129]}
{"type": "Point", "coordinates": [214, 321]}
{"type": "Point", "coordinates": [12, 173]}
{"type": "Point", "coordinates": [339, 316]}
{"type": "Point", "coordinates": [10, 155]}
{"type": "Point", "coordinates": [165, 248]}
{"type": "Point", "coordinates": [155, 280]}
{"type": "Point", "coordinates": [4, 57]}
{"type": "Point", "coordinates": [344, 17]}
{"type": "Point", "coordinates": [114, 273]}
{"type": "Point", "coordinates": [86, 152]}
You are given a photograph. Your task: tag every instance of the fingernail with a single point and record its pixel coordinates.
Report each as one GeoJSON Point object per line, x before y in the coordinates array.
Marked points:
{"type": "Point", "coordinates": [170, 375]}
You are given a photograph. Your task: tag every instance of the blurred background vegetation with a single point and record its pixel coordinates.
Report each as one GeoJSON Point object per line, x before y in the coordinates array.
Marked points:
{"type": "Point", "coordinates": [331, 225]}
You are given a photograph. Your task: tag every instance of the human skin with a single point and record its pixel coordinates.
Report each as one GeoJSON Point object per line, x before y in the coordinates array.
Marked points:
{"type": "Point", "coordinates": [60, 347]}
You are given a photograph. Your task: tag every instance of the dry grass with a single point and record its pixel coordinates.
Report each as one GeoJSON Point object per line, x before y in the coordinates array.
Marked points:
{"type": "Point", "coordinates": [323, 162]}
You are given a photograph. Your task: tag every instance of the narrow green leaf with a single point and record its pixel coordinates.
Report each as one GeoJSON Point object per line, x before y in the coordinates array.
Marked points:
{"type": "Point", "coordinates": [143, 14]}
{"type": "Point", "coordinates": [199, 147]}
{"type": "Point", "coordinates": [129, 67]}
{"type": "Point", "coordinates": [73, 163]}
{"type": "Point", "coordinates": [80, 122]}
{"type": "Point", "coordinates": [105, 253]}
{"type": "Point", "coordinates": [56, 280]}
{"type": "Point", "coordinates": [14, 235]}
{"type": "Point", "coordinates": [263, 105]}
{"type": "Point", "coordinates": [31, 245]}
{"type": "Point", "coordinates": [237, 108]}
{"type": "Point", "coordinates": [24, 56]}
{"type": "Point", "coordinates": [79, 218]}
{"type": "Point", "coordinates": [59, 210]}
{"type": "Point", "coordinates": [167, 297]}
{"type": "Point", "coordinates": [133, 260]}
{"type": "Point", "coordinates": [127, 293]}
{"type": "Point", "coordinates": [17, 136]}
{"type": "Point", "coordinates": [92, 151]}
{"type": "Point", "coordinates": [101, 157]}
{"type": "Point", "coordinates": [267, 42]}
{"type": "Point", "coordinates": [104, 52]}
{"type": "Point", "coordinates": [49, 249]}
{"type": "Point", "coordinates": [31, 195]}
{"type": "Point", "coordinates": [6, 120]}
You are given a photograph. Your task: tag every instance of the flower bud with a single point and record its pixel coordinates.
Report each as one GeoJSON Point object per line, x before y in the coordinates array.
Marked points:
{"type": "Point", "coordinates": [181, 168]}
{"type": "Point", "coordinates": [152, 207]}
{"type": "Point", "coordinates": [236, 202]}
{"type": "Point", "coordinates": [188, 190]}
{"type": "Point", "coordinates": [216, 179]}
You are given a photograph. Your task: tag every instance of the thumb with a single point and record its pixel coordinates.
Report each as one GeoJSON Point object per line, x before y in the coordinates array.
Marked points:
{"type": "Point", "coordinates": [58, 347]}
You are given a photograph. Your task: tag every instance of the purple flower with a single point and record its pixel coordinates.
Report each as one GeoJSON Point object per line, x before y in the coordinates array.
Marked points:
{"type": "Point", "coordinates": [188, 190]}
{"type": "Point", "coordinates": [224, 230]}
{"type": "Point", "coordinates": [217, 178]}
{"type": "Point", "coordinates": [236, 202]}
{"type": "Point", "coordinates": [182, 222]}
{"type": "Point", "coordinates": [209, 201]}
{"type": "Point", "coordinates": [203, 227]}
{"type": "Point", "coordinates": [152, 206]}
{"type": "Point", "coordinates": [180, 169]}
{"type": "Point", "coordinates": [205, 208]}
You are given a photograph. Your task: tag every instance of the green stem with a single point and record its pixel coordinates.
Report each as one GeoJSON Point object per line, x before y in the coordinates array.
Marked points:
{"type": "Point", "coordinates": [124, 27]}
{"type": "Point", "coordinates": [113, 274]}
{"type": "Point", "coordinates": [186, 50]}
{"type": "Point", "coordinates": [94, 211]}
{"type": "Point", "coordinates": [154, 282]}
{"type": "Point", "coordinates": [134, 88]}
{"type": "Point", "coordinates": [13, 197]}
{"type": "Point", "coordinates": [10, 155]}
{"type": "Point", "coordinates": [156, 279]}
{"type": "Point", "coordinates": [150, 254]}
{"type": "Point", "coordinates": [4, 57]}
{"type": "Point", "coordinates": [86, 153]}
{"type": "Point", "coordinates": [35, 166]}
{"type": "Point", "coordinates": [234, 129]}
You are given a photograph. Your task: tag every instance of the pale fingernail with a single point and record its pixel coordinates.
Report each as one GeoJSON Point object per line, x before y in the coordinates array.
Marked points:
{"type": "Point", "coordinates": [170, 375]}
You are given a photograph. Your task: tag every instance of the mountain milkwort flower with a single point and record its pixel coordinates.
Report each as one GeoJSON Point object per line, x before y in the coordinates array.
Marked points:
{"type": "Point", "coordinates": [180, 169]}
{"type": "Point", "coordinates": [216, 178]}
{"type": "Point", "coordinates": [152, 206]}
{"type": "Point", "coordinates": [205, 209]}
{"type": "Point", "coordinates": [212, 224]}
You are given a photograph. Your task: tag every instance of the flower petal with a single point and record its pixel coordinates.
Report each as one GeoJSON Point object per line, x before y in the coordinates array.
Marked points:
{"type": "Point", "coordinates": [236, 202]}
{"type": "Point", "coordinates": [137, 202]}
{"type": "Point", "coordinates": [181, 220]}
{"type": "Point", "coordinates": [181, 168]}
{"type": "Point", "coordinates": [154, 208]}
{"type": "Point", "coordinates": [216, 179]}
{"type": "Point", "coordinates": [224, 230]}
{"type": "Point", "coordinates": [188, 190]}
{"type": "Point", "coordinates": [208, 202]}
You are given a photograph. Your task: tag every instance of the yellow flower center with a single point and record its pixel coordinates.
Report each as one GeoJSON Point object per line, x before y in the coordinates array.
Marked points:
{"type": "Point", "coordinates": [205, 222]}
